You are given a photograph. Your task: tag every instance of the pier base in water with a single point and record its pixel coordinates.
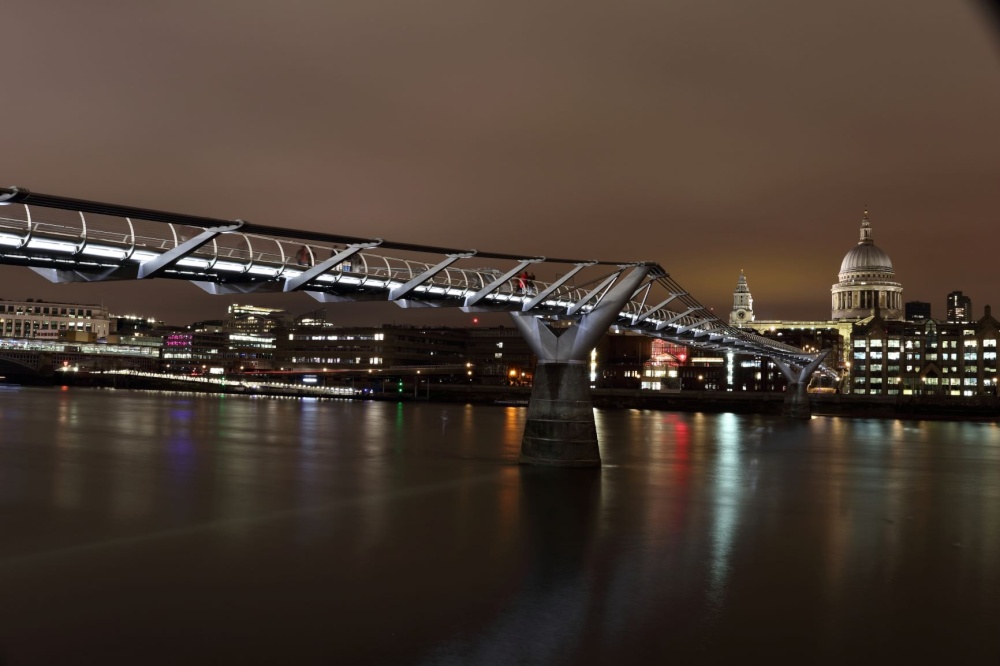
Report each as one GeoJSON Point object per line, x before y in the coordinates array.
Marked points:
{"type": "Point", "coordinates": [796, 402]}
{"type": "Point", "coordinates": [560, 429]}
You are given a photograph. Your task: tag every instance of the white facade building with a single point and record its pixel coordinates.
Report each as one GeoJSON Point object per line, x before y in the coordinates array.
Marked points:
{"type": "Point", "coordinates": [53, 321]}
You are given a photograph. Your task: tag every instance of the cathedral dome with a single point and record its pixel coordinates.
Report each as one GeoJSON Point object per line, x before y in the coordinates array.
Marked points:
{"type": "Point", "coordinates": [867, 282]}
{"type": "Point", "coordinates": [866, 260]}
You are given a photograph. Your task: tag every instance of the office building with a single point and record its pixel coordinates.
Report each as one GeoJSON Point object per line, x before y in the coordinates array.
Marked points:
{"type": "Point", "coordinates": [45, 320]}
{"type": "Point", "coordinates": [959, 307]}
{"type": "Point", "coordinates": [917, 311]}
{"type": "Point", "coordinates": [925, 358]}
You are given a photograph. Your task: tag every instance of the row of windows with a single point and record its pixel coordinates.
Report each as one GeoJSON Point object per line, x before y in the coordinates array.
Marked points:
{"type": "Point", "coordinates": [34, 325]}
{"type": "Point", "coordinates": [927, 381]}
{"type": "Point", "coordinates": [971, 358]}
{"type": "Point", "coordinates": [862, 343]}
{"type": "Point", "coordinates": [46, 310]}
{"type": "Point", "coordinates": [878, 391]}
{"type": "Point", "coordinates": [315, 338]}
{"type": "Point", "coordinates": [338, 360]}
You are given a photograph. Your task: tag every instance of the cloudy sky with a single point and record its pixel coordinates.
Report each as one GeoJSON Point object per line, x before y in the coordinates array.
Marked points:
{"type": "Point", "coordinates": [707, 136]}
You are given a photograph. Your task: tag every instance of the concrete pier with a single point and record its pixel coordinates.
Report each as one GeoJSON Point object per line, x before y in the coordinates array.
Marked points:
{"type": "Point", "coordinates": [796, 397]}
{"type": "Point", "coordinates": [796, 402]}
{"type": "Point", "coordinates": [560, 429]}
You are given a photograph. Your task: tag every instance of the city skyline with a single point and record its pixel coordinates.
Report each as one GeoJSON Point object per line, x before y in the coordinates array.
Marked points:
{"type": "Point", "coordinates": [706, 140]}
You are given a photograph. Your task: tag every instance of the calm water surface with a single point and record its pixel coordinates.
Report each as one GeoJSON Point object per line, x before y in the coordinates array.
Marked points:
{"type": "Point", "coordinates": [160, 528]}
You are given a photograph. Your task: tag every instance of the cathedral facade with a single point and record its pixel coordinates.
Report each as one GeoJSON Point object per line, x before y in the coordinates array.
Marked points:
{"type": "Point", "coordinates": [867, 282]}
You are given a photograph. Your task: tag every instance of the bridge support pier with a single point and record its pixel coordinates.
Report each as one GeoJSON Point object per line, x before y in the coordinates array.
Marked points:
{"type": "Point", "coordinates": [560, 429]}
{"type": "Point", "coordinates": [796, 395]}
{"type": "Point", "coordinates": [796, 404]}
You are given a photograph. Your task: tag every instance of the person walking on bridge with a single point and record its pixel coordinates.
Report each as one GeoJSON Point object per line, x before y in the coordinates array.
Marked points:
{"type": "Point", "coordinates": [522, 282]}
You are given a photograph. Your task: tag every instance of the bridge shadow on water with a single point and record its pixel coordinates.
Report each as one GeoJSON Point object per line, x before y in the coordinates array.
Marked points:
{"type": "Point", "coordinates": [546, 618]}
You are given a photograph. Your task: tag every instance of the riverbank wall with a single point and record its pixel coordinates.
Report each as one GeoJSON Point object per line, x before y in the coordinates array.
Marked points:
{"type": "Point", "coordinates": [985, 408]}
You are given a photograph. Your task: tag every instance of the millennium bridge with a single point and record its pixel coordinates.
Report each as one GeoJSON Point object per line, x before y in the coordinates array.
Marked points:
{"type": "Point", "coordinates": [562, 312]}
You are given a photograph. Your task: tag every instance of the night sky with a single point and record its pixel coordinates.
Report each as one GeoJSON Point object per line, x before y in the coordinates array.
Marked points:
{"type": "Point", "coordinates": [705, 136]}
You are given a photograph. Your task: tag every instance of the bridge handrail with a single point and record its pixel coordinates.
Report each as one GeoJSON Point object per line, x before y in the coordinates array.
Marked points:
{"type": "Point", "coordinates": [369, 271]}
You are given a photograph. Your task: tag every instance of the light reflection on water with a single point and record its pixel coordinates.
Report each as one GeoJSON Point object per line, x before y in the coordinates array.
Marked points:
{"type": "Point", "coordinates": [406, 533]}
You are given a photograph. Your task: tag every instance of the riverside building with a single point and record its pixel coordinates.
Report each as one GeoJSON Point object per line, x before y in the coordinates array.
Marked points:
{"type": "Point", "coordinates": [925, 358]}
{"type": "Point", "coordinates": [40, 319]}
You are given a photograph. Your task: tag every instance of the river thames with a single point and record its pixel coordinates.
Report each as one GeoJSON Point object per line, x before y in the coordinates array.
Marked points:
{"type": "Point", "coordinates": [142, 527]}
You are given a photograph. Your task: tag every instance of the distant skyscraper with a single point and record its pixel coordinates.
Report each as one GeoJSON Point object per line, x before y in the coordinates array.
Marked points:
{"type": "Point", "coordinates": [918, 311]}
{"type": "Point", "coordinates": [742, 312]}
{"type": "Point", "coordinates": [959, 307]}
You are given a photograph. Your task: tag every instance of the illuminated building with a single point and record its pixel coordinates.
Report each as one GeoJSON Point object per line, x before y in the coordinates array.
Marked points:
{"type": "Point", "coordinates": [661, 371]}
{"type": "Point", "coordinates": [495, 356]}
{"type": "Point", "coordinates": [866, 284]}
{"type": "Point", "coordinates": [742, 312]}
{"type": "Point", "coordinates": [36, 357]}
{"type": "Point", "coordinates": [500, 355]}
{"type": "Point", "coordinates": [620, 358]}
{"type": "Point", "coordinates": [925, 358]}
{"type": "Point", "coordinates": [255, 320]}
{"type": "Point", "coordinates": [867, 281]}
{"type": "Point", "coordinates": [959, 307]}
{"type": "Point", "coordinates": [35, 318]}
{"type": "Point", "coordinates": [194, 351]}
{"type": "Point", "coordinates": [363, 348]}
{"type": "Point", "coordinates": [703, 371]}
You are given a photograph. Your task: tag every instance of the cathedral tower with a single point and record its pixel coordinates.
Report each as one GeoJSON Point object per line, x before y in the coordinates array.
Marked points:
{"type": "Point", "coordinates": [742, 312]}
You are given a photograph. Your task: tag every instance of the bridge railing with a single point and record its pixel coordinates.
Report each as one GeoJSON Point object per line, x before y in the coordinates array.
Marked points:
{"type": "Point", "coordinates": [282, 261]}
{"type": "Point", "coordinates": [289, 258]}
{"type": "Point", "coordinates": [113, 241]}
{"type": "Point", "coordinates": [365, 268]}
